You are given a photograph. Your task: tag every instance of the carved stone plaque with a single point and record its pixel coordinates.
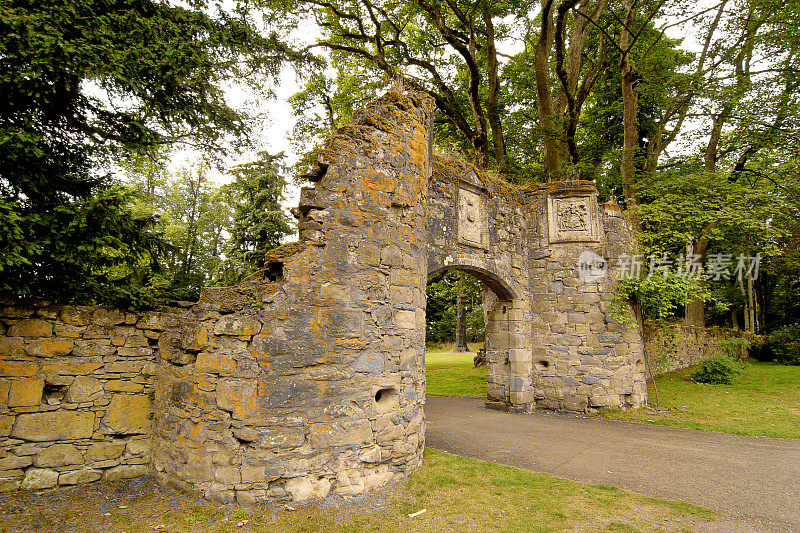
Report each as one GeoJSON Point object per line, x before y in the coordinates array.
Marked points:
{"type": "Point", "coordinates": [573, 219]}
{"type": "Point", "coordinates": [471, 219]}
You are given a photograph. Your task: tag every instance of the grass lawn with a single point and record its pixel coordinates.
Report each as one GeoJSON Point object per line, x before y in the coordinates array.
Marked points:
{"type": "Point", "coordinates": [763, 401]}
{"type": "Point", "coordinates": [458, 494]}
{"type": "Point", "coordinates": [452, 374]}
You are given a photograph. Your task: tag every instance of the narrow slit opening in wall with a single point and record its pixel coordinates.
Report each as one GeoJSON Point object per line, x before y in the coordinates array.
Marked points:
{"type": "Point", "coordinates": [384, 394]}
{"type": "Point", "coordinates": [386, 399]}
{"type": "Point", "coordinates": [274, 271]}
{"type": "Point", "coordinates": [53, 394]}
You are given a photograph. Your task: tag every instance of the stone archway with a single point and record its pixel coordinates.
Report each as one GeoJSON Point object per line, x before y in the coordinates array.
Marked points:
{"type": "Point", "coordinates": [308, 380]}
{"type": "Point", "coordinates": [503, 307]}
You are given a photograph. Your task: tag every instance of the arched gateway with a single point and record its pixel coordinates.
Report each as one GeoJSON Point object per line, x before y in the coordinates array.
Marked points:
{"type": "Point", "coordinates": [309, 378]}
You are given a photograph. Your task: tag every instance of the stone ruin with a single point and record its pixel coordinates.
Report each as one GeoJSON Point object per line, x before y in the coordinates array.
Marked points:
{"type": "Point", "coordinates": [308, 379]}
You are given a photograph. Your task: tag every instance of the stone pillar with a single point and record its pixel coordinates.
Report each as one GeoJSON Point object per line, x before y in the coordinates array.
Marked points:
{"type": "Point", "coordinates": [310, 378]}
{"type": "Point", "coordinates": [583, 359]}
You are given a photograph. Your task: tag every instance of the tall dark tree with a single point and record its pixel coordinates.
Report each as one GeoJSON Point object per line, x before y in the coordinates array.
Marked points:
{"type": "Point", "coordinates": [259, 221]}
{"type": "Point", "coordinates": [82, 81]}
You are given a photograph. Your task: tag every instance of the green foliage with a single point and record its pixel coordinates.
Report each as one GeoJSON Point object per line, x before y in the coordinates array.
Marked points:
{"type": "Point", "coordinates": [84, 82]}
{"type": "Point", "coordinates": [214, 234]}
{"type": "Point", "coordinates": [659, 296]}
{"type": "Point", "coordinates": [259, 222]}
{"type": "Point", "coordinates": [88, 251]}
{"type": "Point", "coordinates": [735, 347]}
{"type": "Point", "coordinates": [781, 345]}
{"type": "Point", "coordinates": [718, 370]}
{"type": "Point", "coordinates": [682, 204]}
{"type": "Point", "coordinates": [194, 216]}
{"type": "Point", "coordinates": [443, 290]}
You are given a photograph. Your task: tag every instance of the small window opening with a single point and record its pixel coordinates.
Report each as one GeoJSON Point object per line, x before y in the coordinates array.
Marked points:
{"type": "Point", "coordinates": [274, 271]}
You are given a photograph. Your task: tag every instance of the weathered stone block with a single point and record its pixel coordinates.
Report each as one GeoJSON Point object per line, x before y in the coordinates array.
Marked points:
{"type": "Point", "coordinates": [11, 347]}
{"type": "Point", "coordinates": [120, 385]}
{"type": "Point", "coordinates": [84, 389]}
{"type": "Point", "coordinates": [103, 451]}
{"type": "Point", "coordinates": [405, 319]}
{"type": "Point", "coordinates": [39, 478]}
{"type": "Point", "coordinates": [54, 425]}
{"type": "Point", "coordinates": [108, 317]}
{"type": "Point", "coordinates": [78, 477]}
{"type": "Point", "coordinates": [72, 366]}
{"type": "Point", "coordinates": [49, 347]}
{"type": "Point", "coordinates": [215, 363]}
{"type": "Point", "coordinates": [230, 475]}
{"type": "Point", "coordinates": [370, 362]}
{"type": "Point", "coordinates": [25, 392]}
{"type": "Point", "coordinates": [125, 367]}
{"type": "Point", "coordinates": [13, 462]}
{"type": "Point", "coordinates": [519, 356]}
{"type": "Point", "coordinates": [6, 423]}
{"type": "Point", "coordinates": [239, 325]}
{"type": "Point", "coordinates": [58, 455]}
{"type": "Point", "coordinates": [605, 400]}
{"type": "Point", "coordinates": [305, 488]}
{"type": "Point", "coordinates": [239, 397]}
{"type": "Point", "coordinates": [126, 472]}
{"type": "Point", "coordinates": [76, 316]}
{"type": "Point", "coordinates": [30, 327]}
{"type": "Point", "coordinates": [340, 434]}
{"type": "Point", "coordinates": [127, 414]}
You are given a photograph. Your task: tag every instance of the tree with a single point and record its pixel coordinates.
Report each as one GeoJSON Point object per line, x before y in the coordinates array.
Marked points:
{"type": "Point", "coordinates": [82, 82]}
{"type": "Point", "coordinates": [194, 217]}
{"type": "Point", "coordinates": [454, 310]}
{"type": "Point", "coordinates": [446, 50]}
{"type": "Point", "coordinates": [259, 221]}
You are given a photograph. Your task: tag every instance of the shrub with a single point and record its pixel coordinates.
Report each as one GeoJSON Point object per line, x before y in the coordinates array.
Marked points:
{"type": "Point", "coordinates": [785, 344]}
{"type": "Point", "coordinates": [719, 370]}
{"type": "Point", "coordinates": [781, 345]}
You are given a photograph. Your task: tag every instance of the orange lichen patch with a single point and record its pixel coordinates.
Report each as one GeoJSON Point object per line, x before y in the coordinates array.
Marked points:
{"type": "Point", "coordinates": [198, 435]}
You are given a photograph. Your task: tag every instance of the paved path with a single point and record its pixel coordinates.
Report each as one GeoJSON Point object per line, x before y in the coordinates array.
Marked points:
{"type": "Point", "coordinates": [754, 480]}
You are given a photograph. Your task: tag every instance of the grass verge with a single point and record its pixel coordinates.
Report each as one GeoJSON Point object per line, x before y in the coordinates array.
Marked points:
{"type": "Point", "coordinates": [453, 374]}
{"type": "Point", "coordinates": [457, 493]}
{"type": "Point", "coordinates": [763, 401]}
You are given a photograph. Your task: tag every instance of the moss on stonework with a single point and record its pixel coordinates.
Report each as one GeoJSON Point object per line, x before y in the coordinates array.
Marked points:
{"type": "Point", "coordinates": [451, 170]}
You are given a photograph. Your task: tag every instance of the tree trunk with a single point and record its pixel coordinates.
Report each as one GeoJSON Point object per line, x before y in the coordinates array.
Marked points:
{"type": "Point", "coordinates": [696, 308]}
{"type": "Point", "coordinates": [746, 302]}
{"type": "Point", "coordinates": [751, 304]}
{"type": "Point", "coordinates": [492, 107]}
{"type": "Point", "coordinates": [630, 108]}
{"type": "Point", "coordinates": [550, 124]}
{"type": "Point", "coordinates": [461, 326]}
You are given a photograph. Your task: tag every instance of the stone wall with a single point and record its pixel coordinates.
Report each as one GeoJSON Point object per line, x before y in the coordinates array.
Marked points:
{"type": "Point", "coordinates": [308, 379]}
{"type": "Point", "coordinates": [76, 385]}
{"type": "Point", "coordinates": [673, 346]}
{"type": "Point", "coordinates": [551, 339]}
